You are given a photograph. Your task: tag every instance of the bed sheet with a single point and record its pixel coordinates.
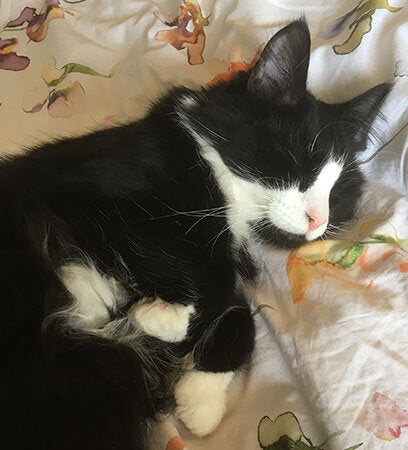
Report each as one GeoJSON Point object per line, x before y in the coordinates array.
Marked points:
{"type": "Point", "coordinates": [331, 363]}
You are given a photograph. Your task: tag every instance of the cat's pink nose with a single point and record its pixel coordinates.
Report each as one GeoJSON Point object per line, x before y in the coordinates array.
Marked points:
{"type": "Point", "coordinates": [315, 220]}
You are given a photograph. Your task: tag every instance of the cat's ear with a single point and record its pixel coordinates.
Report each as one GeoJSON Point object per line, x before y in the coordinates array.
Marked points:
{"type": "Point", "coordinates": [362, 111]}
{"type": "Point", "coordinates": [280, 73]}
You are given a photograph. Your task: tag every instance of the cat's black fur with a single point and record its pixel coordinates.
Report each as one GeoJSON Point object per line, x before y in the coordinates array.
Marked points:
{"type": "Point", "coordinates": [128, 199]}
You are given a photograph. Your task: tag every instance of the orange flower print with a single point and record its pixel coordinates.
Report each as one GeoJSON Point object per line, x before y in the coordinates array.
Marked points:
{"type": "Point", "coordinates": [321, 259]}
{"type": "Point", "coordinates": [235, 63]}
{"type": "Point", "coordinates": [331, 258]}
{"type": "Point", "coordinates": [175, 443]}
{"type": "Point", "coordinates": [371, 263]}
{"type": "Point", "coordinates": [180, 37]}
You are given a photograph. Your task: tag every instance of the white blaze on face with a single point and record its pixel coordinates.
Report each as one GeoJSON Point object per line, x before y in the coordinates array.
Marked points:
{"type": "Point", "coordinates": [317, 197]}
{"type": "Point", "coordinates": [305, 213]}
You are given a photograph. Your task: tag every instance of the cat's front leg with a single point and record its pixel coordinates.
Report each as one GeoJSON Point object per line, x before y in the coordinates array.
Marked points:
{"type": "Point", "coordinates": [166, 321]}
{"type": "Point", "coordinates": [225, 348]}
{"type": "Point", "coordinates": [201, 400]}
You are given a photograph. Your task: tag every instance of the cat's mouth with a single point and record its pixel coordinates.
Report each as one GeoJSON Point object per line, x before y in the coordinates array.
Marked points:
{"type": "Point", "coordinates": [265, 232]}
{"type": "Point", "coordinates": [316, 232]}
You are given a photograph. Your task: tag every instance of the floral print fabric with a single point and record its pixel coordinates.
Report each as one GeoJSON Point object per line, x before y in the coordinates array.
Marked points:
{"type": "Point", "coordinates": [331, 366]}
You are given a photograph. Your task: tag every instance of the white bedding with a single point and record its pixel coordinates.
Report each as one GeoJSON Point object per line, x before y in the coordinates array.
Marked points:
{"type": "Point", "coordinates": [333, 351]}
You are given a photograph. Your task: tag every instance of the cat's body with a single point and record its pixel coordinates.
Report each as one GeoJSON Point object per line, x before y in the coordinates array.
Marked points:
{"type": "Point", "coordinates": [125, 251]}
{"type": "Point", "coordinates": [88, 212]}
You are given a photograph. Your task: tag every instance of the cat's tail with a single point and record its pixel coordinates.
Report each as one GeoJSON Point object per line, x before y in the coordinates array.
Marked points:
{"type": "Point", "coordinates": [110, 384]}
{"type": "Point", "coordinates": [89, 392]}
{"type": "Point", "coordinates": [107, 394]}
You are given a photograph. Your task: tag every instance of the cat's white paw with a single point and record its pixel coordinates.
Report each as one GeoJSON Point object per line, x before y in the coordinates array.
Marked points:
{"type": "Point", "coordinates": [166, 321]}
{"type": "Point", "coordinates": [201, 400]}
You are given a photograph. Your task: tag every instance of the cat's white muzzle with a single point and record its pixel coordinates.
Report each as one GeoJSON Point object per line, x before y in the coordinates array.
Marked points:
{"type": "Point", "coordinates": [317, 232]}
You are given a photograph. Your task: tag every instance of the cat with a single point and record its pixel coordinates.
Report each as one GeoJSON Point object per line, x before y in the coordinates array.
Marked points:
{"type": "Point", "coordinates": [125, 252]}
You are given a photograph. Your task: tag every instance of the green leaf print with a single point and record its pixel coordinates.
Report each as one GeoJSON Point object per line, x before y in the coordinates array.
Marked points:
{"type": "Point", "coordinates": [351, 257]}
{"type": "Point", "coordinates": [77, 68]}
{"type": "Point", "coordinates": [285, 433]}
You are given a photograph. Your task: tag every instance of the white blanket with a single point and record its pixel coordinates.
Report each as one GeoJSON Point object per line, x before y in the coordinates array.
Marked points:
{"type": "Point", "coordinates": [332, 352]}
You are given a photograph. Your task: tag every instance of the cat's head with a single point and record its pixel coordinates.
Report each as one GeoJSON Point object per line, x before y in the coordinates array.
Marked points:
{"type": "Point", "coordinates": [284, 161]}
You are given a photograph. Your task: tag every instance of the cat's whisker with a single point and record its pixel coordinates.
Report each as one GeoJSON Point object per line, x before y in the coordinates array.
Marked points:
{"type": "Point", "coordinates": [139, 206]}
{"type": "Point", "coordinates": [193, 213]}
{"type": "Point", "coordinates": [269, 178]}
{"type": "Point", "coordinates": [335, 229]}
{"type": "Point", "coordinates": [312, 146]}
{"type": "Point", "coordinates": [199, 220]}
{"type": "Point", "coordinates": [354, 178]}
{"type": "Point", "coordinates": [390, 152]}
{"type": "Point", "coordinates": [330, 233]}
{"type": "Point", "coordinates": [208, 129]}
{"type": "Point", "coordinates": [217, 237]}
{"type": "Point", "coordinates": [292, 156]}
{"type": "Point", "coordinates": [261, 225]}
{"type": "Point", "coordinates": [349, 168]}
{"type": "Point", "coordinates": [374, 169]}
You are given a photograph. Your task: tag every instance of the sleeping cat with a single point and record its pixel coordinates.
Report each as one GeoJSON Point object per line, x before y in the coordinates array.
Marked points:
{"type": "Point", "coordinates": [125, 252]}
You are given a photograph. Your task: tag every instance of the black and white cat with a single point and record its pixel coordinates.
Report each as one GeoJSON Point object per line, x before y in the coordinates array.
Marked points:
{"type": "Point", "coordinates": [124, 252]}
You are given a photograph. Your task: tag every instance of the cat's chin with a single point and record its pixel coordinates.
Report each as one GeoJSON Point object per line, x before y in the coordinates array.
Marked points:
{"type": "Point", "coordinates": [277, 238]}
